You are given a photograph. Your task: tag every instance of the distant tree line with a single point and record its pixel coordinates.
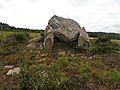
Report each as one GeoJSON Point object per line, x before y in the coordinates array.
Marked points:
{"type": "Point", "coordinates": [6, 27]}
{"type": "Point", "coordinates": [103, 34]}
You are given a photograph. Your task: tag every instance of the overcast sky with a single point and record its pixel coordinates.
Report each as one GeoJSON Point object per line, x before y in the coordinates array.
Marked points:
{"type": "Point", "coordinates": [94, 15]}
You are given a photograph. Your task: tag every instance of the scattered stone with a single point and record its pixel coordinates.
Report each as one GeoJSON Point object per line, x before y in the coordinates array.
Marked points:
{"type": "Point", "coordinates": [61, 53]}
{"type": "Point", "coordinates": [41, 47]}
{"type": "Point", "coordinates": [72, 55]}
{"type": "Point", "coordinates": [36, 39]}
{"type": "Point", "coordinates": [39, 52]}
{"type": "Point", "coordinates": [75, 57]}
{"type": "Point", "coordinates": [89, 57]}
{"type": "Point", "coordinates": [82, 57]}
{"type": "Point", "coordinates": [85, 57]}
{"type": "Point", "coordinates": [43, 55]}
{"type": "Point", "coordinates": [14, 70]}
{"type": "Point", "coordinates": [117, 51]}
{"type": "Point", "coordinates": [31, 45]}
{"type": "Point", "coordinates": [37, 57]}
{"type": "Point", "coordinates": [36, 51]}
{"type": "Point", "coordinates": [31, 51]}
{"type": "Point", "coordinates": [44, 59]}
{"type": "Point", "coordinates": [45, 74]}
{"type": "Point", "coordinates": [78, 55]}
{"type": "Point", "coordinates": [9, 66]}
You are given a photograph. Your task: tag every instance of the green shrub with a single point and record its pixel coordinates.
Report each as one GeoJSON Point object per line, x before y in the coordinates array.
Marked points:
{"type": "Point", "coordinates": [104, 45]}
{"type": "Point", "coordinates": [113, 79]}
{"type": "Point", "coordinates": [103, 39]}
{"type": "Point", "coordinates": [41, 77]}
{"type": "Point", "coordinates": [80, 48]}
{"type": "Point", "coordinates": [19, 37]}
{"type": "Point", "coordinates": [84, 69]}
{"type": "Point", "coordinates": [6, 52]}
{"type": "Point", "coordinates": [100, 48]}
{"type": "Point", "coordinates": [114, 76]}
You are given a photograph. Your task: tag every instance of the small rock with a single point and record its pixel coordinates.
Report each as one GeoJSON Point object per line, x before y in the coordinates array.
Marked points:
{"type": "Point", "coordinates": [75, 57]}
{"type": "Point", "coordinates": [45, 74]}
{"type": "Point", "coordinates": [37, 57]}
{"type": "Point", "coordinates": [43, 55]}
{"type": "Point", "coordinates": [41, 47]}
{"type": "Point", "coordinates": [34, 40]}
{"type": "Point", "coordinates": [31, 45]}
{"type": "Point", "coordinates": [31, 51]}
{"type": "Point", "coordinates": [61, 53]}
{"type": "Point", "coordinates": [39, 52]}
{"type": "Point", "coordinates": [72, 55]}
{"type": "Point", "coordinates": [82, 57]}
{"type": "Point", "coordinates": [90, 58]}
{"type": "Point", "coordinates": [14, 70]}
{"type": "Point", "coordinates": [85, 57]}
{"type": "Point", "coordinates": [9, 66]}
{"type": "Point", "coordinates": [117, 51]}
{"type": "Point", "coordinates": [78, 55]}
{"type": "Point", "coordinates": [41, 60]}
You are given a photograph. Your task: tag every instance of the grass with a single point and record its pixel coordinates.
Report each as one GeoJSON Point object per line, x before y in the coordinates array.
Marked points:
{"type": "Point", "coordinates": [104, 45]}
{"type": "Point", "coordinates": [65, 72]}
{"type": "Point", "coordinates": [6, 52]}
{"type": "Point", "coordinates": [5, 34]}
{"type": "Point", "coordinates": [8, 33]}
{"type": "Point", "coordinates": [113, 40]}
{"type": "Point", "coordinates": [116, 41]}
{"type": "Point", "coordinates": [34, 35]}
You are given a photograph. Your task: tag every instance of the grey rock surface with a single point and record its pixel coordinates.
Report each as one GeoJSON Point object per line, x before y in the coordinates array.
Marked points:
{"type": "Point", "coordinates": [67, 30]}
{"type": "Point", "coordinates": [14, 70]}
{"type": "Point", "coordinates": [31, 45]}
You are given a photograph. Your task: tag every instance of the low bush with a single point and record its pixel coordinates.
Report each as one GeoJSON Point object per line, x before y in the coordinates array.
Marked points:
{"type": "Point", "coordinates": [20, 37]}
{"type": "Point", "coordinates": [6, 52]}
{"type": "Point", "coordinates": [16, 38]}
{"type": "Point", "coordinates": [103, 39]}
{"type": "Point", "coordinates": [42, 77]}
{"type": "Point", "coordinates": [113, 79]}
{"type": "Point", "coordinates": [80, 48]}
{"type": "Point", "coordinates": [104, 45]}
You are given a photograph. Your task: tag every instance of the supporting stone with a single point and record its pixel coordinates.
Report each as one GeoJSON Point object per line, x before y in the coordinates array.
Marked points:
{"type": "Point", "coordinates": [48, 46]}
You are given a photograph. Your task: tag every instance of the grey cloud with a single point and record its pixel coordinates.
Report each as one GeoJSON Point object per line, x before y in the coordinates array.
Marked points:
{"type": "Point", "coordinates": [118, 1]}
{"type": "Point", "coordinates": [110, 23]}
{"type": "Point", "coordinates": [115, 28]}
{"type": "Point", "coordinates": [116, 25]}
{"type": "Point", "coordinates": [8, 0]}
{"type": "Point", "coordinates": [34, 0]}
{"type": "Point", "coordinates": [105, 20]}
{"type": "Point", "coordinates": [1, 6]}
{"type": "Point", "coordinates": [78, 3]}
{"type": "Point", "coordinates": [111, 3]}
